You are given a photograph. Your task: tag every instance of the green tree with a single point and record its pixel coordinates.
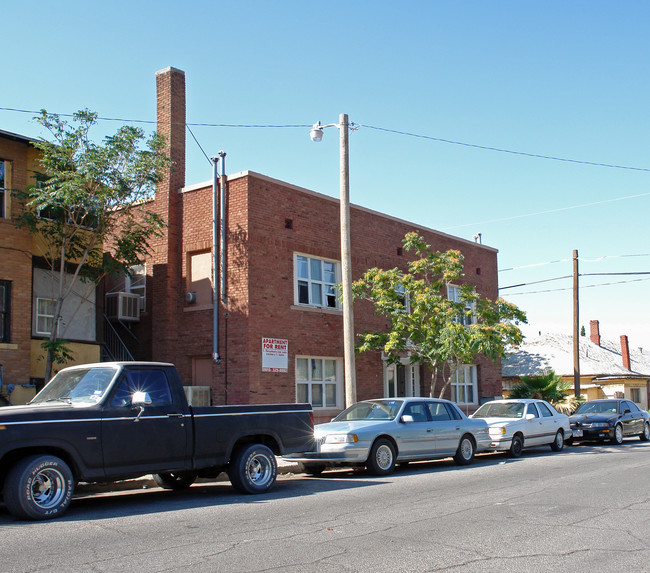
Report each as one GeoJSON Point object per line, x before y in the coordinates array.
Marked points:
{"type": "Point", "coordinates": [88, 195]}
{"type": "Point", "coordinates": [426, 324]}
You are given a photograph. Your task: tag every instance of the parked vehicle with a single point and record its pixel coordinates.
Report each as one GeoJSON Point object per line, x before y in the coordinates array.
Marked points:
{"type": "Point", "coordinates": [119, 420]}
{"type": "Point", "coordinates": [610, 419]}
{"type": "Point", "coordinates": [516, 424]}
{"type": "Point", "coordinates": [379, 433]}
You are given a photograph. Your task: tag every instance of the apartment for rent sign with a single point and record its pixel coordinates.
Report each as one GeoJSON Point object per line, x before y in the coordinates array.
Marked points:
{"type": "Point", "coordinates": [275, 355]}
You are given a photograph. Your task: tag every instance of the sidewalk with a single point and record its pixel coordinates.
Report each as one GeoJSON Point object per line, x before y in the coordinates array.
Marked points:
{"type": "Point", "coordinates": [146, 482]}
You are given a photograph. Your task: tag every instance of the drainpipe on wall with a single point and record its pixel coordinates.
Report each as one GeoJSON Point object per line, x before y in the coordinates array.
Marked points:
{"type": "Point", "coordinates": [222, 222]}
{"type": "Point", "coordinates": [215, 288]}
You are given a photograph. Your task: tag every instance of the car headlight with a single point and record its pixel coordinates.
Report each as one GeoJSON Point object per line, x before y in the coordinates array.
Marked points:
{"type": "Point", "coordinates": [341, 438]}
{"type": "Point", "coordinates": [600, 425]}
{"type": "Point", "coordinates": [497, 431]}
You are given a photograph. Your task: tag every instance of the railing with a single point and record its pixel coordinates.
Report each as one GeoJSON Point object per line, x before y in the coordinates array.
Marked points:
{"type": "Point", "coordinates": [114, 346]}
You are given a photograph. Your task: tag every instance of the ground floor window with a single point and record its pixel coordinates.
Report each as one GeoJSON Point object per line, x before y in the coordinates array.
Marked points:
{"type": "Point", "coordinates": [401, 380]}
{"type": "Point", "coordinates": [463, 385]}
{"type": "Point", "coordinates": [319, 381]}
{"type": "Point", "coordinates": [45, 308]}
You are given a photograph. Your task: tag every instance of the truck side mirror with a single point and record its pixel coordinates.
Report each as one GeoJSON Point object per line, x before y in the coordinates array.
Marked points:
{"type": "Point", "coordinates": [140, 400]}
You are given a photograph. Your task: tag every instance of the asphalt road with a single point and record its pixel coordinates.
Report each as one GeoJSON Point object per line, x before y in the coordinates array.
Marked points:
{"type": "Point", "coordinates": [584, 509]}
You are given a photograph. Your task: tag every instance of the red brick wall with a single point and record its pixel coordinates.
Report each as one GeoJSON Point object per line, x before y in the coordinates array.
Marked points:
{"type": "Point", "coordinates": [16, 266]}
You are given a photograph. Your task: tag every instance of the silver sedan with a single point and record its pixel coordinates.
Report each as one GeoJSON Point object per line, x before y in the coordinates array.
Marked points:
{"type": "Point", "coordinates": [379, 433]}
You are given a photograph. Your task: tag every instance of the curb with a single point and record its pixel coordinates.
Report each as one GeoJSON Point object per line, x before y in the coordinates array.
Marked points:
{"type": "Point", "coordinates": [146, 482]}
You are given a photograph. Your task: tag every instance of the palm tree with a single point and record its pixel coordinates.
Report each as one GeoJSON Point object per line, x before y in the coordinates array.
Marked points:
{"type": "Point", "coordinates": [547, 386]}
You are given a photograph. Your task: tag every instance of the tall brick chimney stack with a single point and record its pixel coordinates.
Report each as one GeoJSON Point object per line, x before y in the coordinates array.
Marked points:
{"type": "Point", "coordinates": [167, 291]}
{"type": "Point", "coordinates": [594, 326]}
{"type": "Point", "coordinates": [625, 352]}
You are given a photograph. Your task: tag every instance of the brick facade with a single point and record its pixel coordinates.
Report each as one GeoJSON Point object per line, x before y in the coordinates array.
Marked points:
{"type": "Point", "coordinates": [268, 221]}
{"type": "Point", "coordinates": [16, 264]}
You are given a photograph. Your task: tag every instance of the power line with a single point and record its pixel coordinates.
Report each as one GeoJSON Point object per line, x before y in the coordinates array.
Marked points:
{"type": "Point", "coordinates": [386, 130]}
{"type": "Point", "coordinates": [581, 259]}
{"type": "Point", "coordinates": [581, 287]}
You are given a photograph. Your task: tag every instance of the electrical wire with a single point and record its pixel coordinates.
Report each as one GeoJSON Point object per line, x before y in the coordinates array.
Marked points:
{"type": "Point", "coordinates": [581, 287]}
{"type": "Point", "coordinates": [596, 260]}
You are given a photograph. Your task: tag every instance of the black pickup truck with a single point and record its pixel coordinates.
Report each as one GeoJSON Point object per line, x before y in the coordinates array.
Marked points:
{"type": "Point", "coordinates": [120, 420]}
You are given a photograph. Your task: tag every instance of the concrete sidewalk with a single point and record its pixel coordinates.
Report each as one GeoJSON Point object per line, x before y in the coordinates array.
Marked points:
{"type": "Point", "coordinates": [146, 482]}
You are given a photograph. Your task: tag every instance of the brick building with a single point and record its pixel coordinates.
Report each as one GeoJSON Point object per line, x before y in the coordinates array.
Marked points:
{"type": "Point", "coordinates": [27, 289]}
{"type": "Point", "coordinates": [282, 258]}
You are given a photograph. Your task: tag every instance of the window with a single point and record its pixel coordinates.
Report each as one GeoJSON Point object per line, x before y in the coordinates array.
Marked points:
{"type": "Point", "coordinates": [5, 302]}
{"type": "Point", "coordinates": [404, 298]}
{"type": "Point", "coordinates": [3, 190]}
{"type": "Point", "coordinates": [545, 410]}
{"type": "Point", "coordinates": [635, 395]}
{"type": "Point", "coordinates": [136, 283]}
{"type": "Point", "coordinates": [532, 410]}
{"type": "Point", "coordinates": [463, 385]}
{"type": "Point", "coordinates": [439, 412]}
{"type": "Point", "coordinates": [45, 308]}
{"type": "Point", "coordinates": [318, 381]}
{"type": "Point", "coordinates": [417, 411]}
{"type": "Point", "coordinates": [153, 382]}
{"type": "Point", "coordinates": [469, 316]}
{"type": "Point", "coordinates": [316, 281]}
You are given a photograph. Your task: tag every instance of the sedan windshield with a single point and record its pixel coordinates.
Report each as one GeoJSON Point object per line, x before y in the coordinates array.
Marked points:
{"type": "Point", "coordinates": [371, 410]}
{"type": "Point", "coordinates": [79, 385]}
{"type": "Point", "coordinates": [500, 410]}
{"type": "Point", "coordinates": [598, 408]}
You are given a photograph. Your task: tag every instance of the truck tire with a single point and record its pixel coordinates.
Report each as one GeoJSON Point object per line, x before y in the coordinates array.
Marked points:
{"type": "Point", "coordinates": [38, 487]}
{"type": "Point", "coordinates": [174, 480]}
{"type": "Point", "coordinates": [253, 469]}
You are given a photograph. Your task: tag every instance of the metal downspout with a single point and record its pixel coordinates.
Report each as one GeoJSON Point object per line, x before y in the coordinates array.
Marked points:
{"type": "Point", "coordinates": [215, 284]}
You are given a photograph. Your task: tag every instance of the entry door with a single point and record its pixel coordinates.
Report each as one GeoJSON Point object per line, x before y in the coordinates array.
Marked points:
{"type": "Point", "coordinates": [401, 380]}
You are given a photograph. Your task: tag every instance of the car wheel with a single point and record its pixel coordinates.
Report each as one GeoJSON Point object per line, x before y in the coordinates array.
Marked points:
{"type": "Point", "coordinates": [617, 436]}
{"type": "Point", "coordinates": [38, 487]}
{"type": "Point", "coordinates": [174, 480]}
{"type": "Point", "coordinates": [312, 469]}
{"type": "Point", "coordinates": [645, 435]}
{"type": "Point", "coordinates": [253, 469]}
{"type": "Point", "coordinates": [465, 452]}
{"type": "Point", "coordinates": [558, 443]}
{"type": "Point", "coordinates": [381, 460]}
{"type": "Point", "coordinates": [517, 446]}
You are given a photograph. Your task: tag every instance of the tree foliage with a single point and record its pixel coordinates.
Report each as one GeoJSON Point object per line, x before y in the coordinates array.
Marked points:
{"type": "Point", "coordinates": [426, 325]}
{"type": "Point", "coordinates": [547, 386]}
{"type": "Point", "coordinates": [88, 194]}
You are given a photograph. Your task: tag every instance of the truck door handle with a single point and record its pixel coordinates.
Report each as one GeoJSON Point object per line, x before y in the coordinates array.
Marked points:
{"type": "Point", "coordinates": [175, 415]}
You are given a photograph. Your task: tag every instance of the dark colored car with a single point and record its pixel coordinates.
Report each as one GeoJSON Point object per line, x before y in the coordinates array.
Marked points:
{"type": "Point", "coordinates": [610, 419]}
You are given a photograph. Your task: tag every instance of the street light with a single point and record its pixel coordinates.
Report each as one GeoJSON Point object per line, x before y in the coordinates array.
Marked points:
{"type": "Point", "coordinates": [316, 134]}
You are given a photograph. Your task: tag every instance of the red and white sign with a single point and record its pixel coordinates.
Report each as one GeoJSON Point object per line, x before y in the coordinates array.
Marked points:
{"type": "Point", "coordinates": [275, 355]}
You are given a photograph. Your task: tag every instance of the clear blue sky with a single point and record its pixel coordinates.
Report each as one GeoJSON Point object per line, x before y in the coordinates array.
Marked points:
{"type": "Point", "coordinates": [567, 79]}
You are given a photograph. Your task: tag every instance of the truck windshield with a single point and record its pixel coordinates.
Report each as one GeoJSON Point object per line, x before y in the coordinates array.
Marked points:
{"type": "Point", "coordinates": [82, 385]}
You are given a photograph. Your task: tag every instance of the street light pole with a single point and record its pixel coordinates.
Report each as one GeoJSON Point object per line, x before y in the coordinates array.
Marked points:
{"type": "Point", "coordinates": [346, 257]}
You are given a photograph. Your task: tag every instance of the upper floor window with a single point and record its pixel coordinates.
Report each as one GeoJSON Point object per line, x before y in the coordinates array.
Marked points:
{"type": "Point", "coordinates": [469, 315]}
{"type": "Point", "coordinates": [463, 385]}
{"type": "Point", "coordinates": [5, 299]}
{"type": "Point", "coordinates": [316, 280]}
{"type": "Point", "coordinates": [3, 189]}
{"type": "Point", "coordinates": [136, 283]}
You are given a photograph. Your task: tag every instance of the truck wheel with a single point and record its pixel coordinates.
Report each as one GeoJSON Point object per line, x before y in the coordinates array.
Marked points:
{"type": "Point", "coordinates": [174, 480]}
{"type": "Point", "coordinates": [253, 469]}
{"type": "Point", "coordinates": [38, 487]}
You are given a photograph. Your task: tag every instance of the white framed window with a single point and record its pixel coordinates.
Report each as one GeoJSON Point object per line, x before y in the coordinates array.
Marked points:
{"type": "Point", "coordinates": [464, 385]}
{"type": "Point", "coordinates": [316, 281]}
{"type": "Point", "coordinates": [136, 283]}
{"type": "Point", "coordinates": [454, 295]}
{"type": "Point", "coordinates": [45, 308]}
{"type": "Point", "coordinates": [319, 381]}
{"type": "Point", "coordinates": [3, 189]}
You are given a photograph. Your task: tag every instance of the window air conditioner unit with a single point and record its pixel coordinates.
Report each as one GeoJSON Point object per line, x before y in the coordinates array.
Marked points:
{"type": "Point", "coordinates": [197, 395]}
{"type": "Point", "coordinates": [123, 306]}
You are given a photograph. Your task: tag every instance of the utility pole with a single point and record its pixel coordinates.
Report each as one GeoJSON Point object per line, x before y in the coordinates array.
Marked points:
{"type": "Point", "coordinates": [576, 327]}
{"type": "Point", "coordinates": [346, 265]}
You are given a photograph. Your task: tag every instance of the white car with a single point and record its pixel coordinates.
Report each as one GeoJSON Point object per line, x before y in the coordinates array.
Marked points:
{"type": "Point", "coordinates": [520, 423]}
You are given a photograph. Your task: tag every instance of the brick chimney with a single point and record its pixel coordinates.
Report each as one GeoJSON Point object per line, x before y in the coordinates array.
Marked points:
{"type": "Point", "coordinates": [167, 280]}
{"type": "Point", "coordinates": [625, 352]}
{"type": "Point", "coordinates": [595, 331]}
